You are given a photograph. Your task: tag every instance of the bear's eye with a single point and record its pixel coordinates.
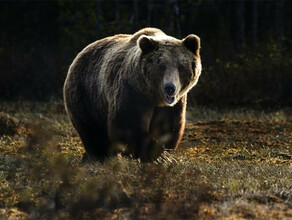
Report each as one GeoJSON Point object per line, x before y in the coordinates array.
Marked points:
{"type": "Point", "coordinates": [162, 67]}
{"type": "Point", "coordinates": [193, 65]}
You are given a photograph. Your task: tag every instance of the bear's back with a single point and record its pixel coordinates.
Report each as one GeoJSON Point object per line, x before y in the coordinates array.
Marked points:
{"type": "Point", "coordinates": [146, 31]}
{"type": "Point", "coordinates": [100, 47]}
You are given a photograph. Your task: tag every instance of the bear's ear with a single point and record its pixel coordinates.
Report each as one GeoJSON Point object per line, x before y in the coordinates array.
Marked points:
{"type": "Point", "coordinates": [192, 43]}
{"type": "Point", "coordinates": [147, 44]}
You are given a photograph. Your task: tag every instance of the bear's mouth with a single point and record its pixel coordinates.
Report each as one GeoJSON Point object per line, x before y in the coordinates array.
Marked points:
{"type": "Point", "coordinates": [169, 99]}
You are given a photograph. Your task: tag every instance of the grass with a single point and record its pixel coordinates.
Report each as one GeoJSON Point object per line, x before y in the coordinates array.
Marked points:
{"type": "Point", "coordinates": [231, 164]}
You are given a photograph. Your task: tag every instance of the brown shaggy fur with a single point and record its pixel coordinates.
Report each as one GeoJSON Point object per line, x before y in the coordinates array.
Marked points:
{"type": "Point", "coordinates": [114, 92]}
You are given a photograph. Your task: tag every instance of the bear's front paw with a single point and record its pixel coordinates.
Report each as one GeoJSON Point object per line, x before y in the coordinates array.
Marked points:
{"type": "Point", "coordinates": [153, 151]}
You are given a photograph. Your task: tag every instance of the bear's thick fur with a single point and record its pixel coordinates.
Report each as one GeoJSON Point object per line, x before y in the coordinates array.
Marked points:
{"type": "Point", "coordinates": [131, 91]}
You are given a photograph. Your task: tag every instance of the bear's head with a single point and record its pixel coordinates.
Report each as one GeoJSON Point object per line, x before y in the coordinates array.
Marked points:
{"type": "Point", "coordinates": [170, 67]}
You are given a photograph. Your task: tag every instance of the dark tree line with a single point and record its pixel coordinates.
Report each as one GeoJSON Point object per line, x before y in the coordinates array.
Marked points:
{"type": "Point", "coordinates": [39, 39]}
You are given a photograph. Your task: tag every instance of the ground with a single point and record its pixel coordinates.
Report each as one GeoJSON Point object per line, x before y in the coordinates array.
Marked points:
{"type": "Point", "coordinates": [231, 164]}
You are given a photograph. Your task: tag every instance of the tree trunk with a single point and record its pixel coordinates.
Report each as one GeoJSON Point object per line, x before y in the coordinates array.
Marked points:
{"type": "Point", "coordinates": [254, 25]}
{"type": "Point", "coordinates": [117, 16]}
{"type": "Point", "coordinates": [150, 7]}
{"type": "Point", "coordinates": [134, 19]}
{"type": "Point", "coordinates": [240, 30]}
{"type": "Point", "coordinates": [97, 14]}
{"type": "Point", "coordinates": [279, 21]}
{"type": "Point", "coordinates": [177, 20]}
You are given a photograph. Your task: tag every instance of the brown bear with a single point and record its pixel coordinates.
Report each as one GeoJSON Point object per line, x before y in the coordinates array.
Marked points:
{"type": "Point", "coordinates": [131, 91]}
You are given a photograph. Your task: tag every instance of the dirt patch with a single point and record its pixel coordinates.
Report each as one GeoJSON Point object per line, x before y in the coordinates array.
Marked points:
{"type": "Point", "coordinates": [255, 141]}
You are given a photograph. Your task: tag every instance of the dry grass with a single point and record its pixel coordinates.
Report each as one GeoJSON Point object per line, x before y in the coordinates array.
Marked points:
{"type": "Point", "coordinates": [231, 165]}
{"type": "Point", "coordinates": [8, 125]}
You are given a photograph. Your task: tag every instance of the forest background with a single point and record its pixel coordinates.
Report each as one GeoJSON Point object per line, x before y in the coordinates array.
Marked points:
{"type": "Point", "coordinates": [246, 45]}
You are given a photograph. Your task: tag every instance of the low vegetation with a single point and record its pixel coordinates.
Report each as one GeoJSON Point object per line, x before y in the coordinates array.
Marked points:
{"type": "Point", "coordinates": [231, 164]}
{"type": "Point", "coordinates": [254, 77]}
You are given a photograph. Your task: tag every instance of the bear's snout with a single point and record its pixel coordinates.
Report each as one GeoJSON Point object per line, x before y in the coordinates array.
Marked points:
{"type": "Point", "coordinates": [169, 93]}
{"type": "Point", "coordinates": [169, 88]}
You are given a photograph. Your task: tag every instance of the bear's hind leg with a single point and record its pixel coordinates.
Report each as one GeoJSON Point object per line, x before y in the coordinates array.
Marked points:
{"type": "Point", "coordinates": [95, 141]}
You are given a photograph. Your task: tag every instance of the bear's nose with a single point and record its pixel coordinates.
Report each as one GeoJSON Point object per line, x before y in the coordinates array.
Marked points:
{"type": "Point", "coordinates": [169, 88]}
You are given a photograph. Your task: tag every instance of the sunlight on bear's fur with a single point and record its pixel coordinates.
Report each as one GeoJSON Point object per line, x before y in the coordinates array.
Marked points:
{"type": "Point", "coordinates": [131, 90]}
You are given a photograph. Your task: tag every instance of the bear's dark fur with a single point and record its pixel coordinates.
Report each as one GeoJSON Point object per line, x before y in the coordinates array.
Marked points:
{"type": "Point", "coordinates": [131, 91]}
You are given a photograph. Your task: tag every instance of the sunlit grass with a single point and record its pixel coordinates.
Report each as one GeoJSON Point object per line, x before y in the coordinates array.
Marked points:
{"type": "Point", "coordinates": [231, 164]}
{"type": "Point", "coordinates": [200, 113]}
